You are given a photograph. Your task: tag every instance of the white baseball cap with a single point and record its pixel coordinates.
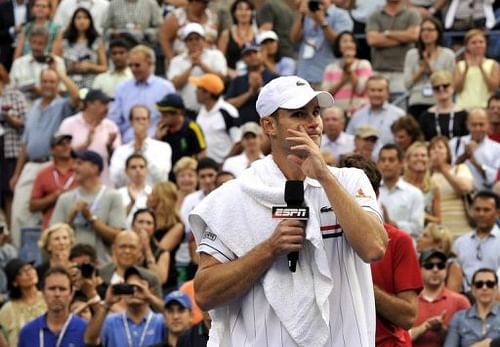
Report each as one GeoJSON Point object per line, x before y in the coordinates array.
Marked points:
{"type": "Point", "coordinates": [289, 92]}
{"type": "Point", "coordinates": [192, 28]}
{"type": "Point", "coordinates": [266, 35]}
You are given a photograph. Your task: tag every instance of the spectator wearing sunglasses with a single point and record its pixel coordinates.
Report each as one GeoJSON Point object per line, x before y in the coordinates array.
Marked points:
{"type": "Point", "coordinates": [480, 324]}
{"type": "Point", "coordinates": [436, 304]}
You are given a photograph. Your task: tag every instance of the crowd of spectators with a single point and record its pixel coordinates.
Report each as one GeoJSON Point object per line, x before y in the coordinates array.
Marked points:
{"type": "Point", "coordinates": [118, 117]}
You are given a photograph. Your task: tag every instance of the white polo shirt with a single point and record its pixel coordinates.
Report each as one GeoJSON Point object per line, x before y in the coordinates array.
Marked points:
{"type": "Point", "coordinates": [219, 139]}
{"type": "Point", "coordinates": [342, 145]}
{"type": "Point", "coordinates": [254, 323]}
{"type": "Point", "coordinates": [236, 164]}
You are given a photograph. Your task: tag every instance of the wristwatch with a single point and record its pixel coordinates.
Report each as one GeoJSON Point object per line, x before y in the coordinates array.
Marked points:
{"type": "Point", "coordinates": [324, 25]}
{"type": "Point", "coordinates": [386, 32]}
{"type": "Point", "coordinates": [93, 219]}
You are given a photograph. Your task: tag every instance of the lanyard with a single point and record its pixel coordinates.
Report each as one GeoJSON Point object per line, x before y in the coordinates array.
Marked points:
{"type": "Point", "coordinates": [57, 179]}
{"type": "Point", "coordinates": [61, 334]}
{"type": "Point", "coordinates": [93, 204]}
{"type": "Point", "coordinates": [144, 331]}
{"type": "Point", "coordinates": [450, 123]}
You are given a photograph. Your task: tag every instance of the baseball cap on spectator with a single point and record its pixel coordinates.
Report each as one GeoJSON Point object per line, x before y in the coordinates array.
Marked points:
{"type": "Point", "coordinates": [433, 253]}
{"type": "Point", "coordinates": [141, 272]}
{"type": "Point", "coordinates": [58, 137]}
{"type": "Point", "coordinates": [210, 82]}
{"type": "Point", "coordinates": [97, 95]}
{"type": "Point", "coordinates": [170, 102]}
{"type": "Point", "coordinates": [191, 28]}
{"type": "Point", "coordinates": [92, 157]}
{"type": "Point", "coordinates": [250, 128]}
{"type": "Point", "coordinates": [266, 35]}
{"type": "Point", "coordinates": [289, 92]}
{"type": "Point", "coordinates": [366, 131]}
{"type": "Point", "coordinates": [249, 47]}
{"type": "Point", "coordinates": [178, 297]}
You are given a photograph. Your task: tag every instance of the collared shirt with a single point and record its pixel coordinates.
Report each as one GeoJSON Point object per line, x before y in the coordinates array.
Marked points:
{"type": "Point", "coordinates": [380, 119]}
{"type": "Point", "coordinates": [41, 124]}
{"type": "Point", "coordinates": [157, 153]}
{"type": "Point", "coordinates": [213, 58]}
{"type": "Point", "coordinates": [133, 92]}
{"type": "Point", "coordinates": [107, 81]}
{"type": "Point", "coordinates": [487, 153]}
{"type": "Point", "coordinates": [98, 9]}
{"type": "Point", "coordinates": [114, 333]}
{"type": "Point", "coordinates": [236, 164]}
{"type": "Point", "coordinates": [342, 145]}
{"type": "Point", "coordinates": [20, 12]}
{"type": "Point", "coordinates": [12, 136]}
{"type": "Point", "coordinates": [405, 206]}
{"type": "Point", "coordinates": [30, 333]}
{"type": "Point", "coordinates": [467, 328]}
{"type": "Point", "coordinates": [474, 253]}
{"type": "Point", "coordinates": [220, 126]}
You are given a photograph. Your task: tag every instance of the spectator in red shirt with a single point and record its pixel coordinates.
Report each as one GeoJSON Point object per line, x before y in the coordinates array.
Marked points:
{"type": "Point", "coordinates": [55, 179]}
{"type": "Point", "coordinates": [436, 304]}
{"type": "Point", "coordinates": [494, 116]}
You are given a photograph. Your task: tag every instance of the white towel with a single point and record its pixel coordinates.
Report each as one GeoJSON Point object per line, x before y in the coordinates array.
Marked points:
{"type": "Point", "coordinates": [243, 220]}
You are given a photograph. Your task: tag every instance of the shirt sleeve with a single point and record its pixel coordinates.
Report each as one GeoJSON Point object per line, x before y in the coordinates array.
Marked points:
{"type": "Point", "coordinates": [453, 335]}
{"type": "Point", "coordinates": [406, 267]}
{"type": "Point", "coordinates": [212, 245]}
{"type": "Point", "coordinates": [116, 216]}
{"type": "Point", "coordinates": [37, 191]}
{"type": "Point", "coordinates": [59, 215]}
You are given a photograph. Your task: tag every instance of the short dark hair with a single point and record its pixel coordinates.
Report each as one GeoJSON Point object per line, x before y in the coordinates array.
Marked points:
{"type": "Point", "coordinates": [336, 44]}
{"type": "Point", "coordinates": [368, 166]}
{"type": "Point", "coordinates": [487, 194]}
{"type": "Point", "coordinates": [119, 42]}
{"type": "Point", "coordinates": [61, 270]}
{"type": "Point", "coordinates": [150, 211]}
{"type": "Point", "coordinates": [82, 249]}
{"type": "Point", "coordinates": [487, 270]}
{"type": "Point", "coordinates": [135, 156]}
{"type": "Point", "coordinates": [131, 112]}
{"type": "Point", "coordinates": [207, 163]}
{"type": "Point", "coordinates": [393, 146]}
{"type": "Point", "coordinates": [410, 125]}
{"type": "Point", "coordinates": [494, 97]}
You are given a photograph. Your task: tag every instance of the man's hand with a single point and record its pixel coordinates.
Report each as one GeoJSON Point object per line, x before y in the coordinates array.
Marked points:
{"type": "Point", "coordinates": [254, 81]}
{"type": "Point", "coordinates": [195, 58]}
{"type": "Point", "coordinates": [287, 237]}
{"type": "Point", "coordinates": [482, 343]}
{"type": "Point", "coordinates": [142, 292]}
{"type": "Point", "coordinates": [161, 129]}
{"type": "Point", "coordinates": [110, 299]}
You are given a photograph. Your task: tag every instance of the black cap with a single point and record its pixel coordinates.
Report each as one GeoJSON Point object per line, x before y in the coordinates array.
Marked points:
{"type": "Point", "coordinates": [170, 102]}
{"type": "Point", "coordinates": [433, 253]}
{"type": "Point", "coordinates": [249, 48]}
{"type": "Point", "coordinates": [92, 157]}
{"type": "Point", "coordinates": [141, 272]}
{"type": "Point", "coordinates": [97, 95]}
{"type": "Point", "coordinates": [12, 270]}
{"type": "Point", "coordinates": [58, 137]}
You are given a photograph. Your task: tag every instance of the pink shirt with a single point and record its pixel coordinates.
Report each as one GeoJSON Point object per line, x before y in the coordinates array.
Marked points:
{"type": "Point", "coordinates": [79, 129]}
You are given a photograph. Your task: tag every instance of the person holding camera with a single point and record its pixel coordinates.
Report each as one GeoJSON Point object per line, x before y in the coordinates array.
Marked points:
{"type": "Point", "coordinates": [138, 325]}
{"type": "Point", "coordinates": [315, 28]}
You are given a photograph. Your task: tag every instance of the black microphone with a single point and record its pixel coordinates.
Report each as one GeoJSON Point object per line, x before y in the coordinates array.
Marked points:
{"type": "Point", "coordinates": [295, 209]}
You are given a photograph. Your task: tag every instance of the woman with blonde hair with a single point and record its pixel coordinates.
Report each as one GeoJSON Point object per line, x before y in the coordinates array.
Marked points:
{"type": "Point", "coordinates": [436, 236]}
{"type": "Point", "coordinates": [475, 77]}
{"type": "Point", "coordinates": [185, 177]}
{"type": "Point", "coordinates": [56, 242]}
{"type": "Point", "coordinates": [417, 173]}
{"type": "Point", "coordinates": [453, 183]}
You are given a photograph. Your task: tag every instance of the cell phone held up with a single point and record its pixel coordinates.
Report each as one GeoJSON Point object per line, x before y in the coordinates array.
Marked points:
{"type": "Point", "coordinates": [123, 289]}
{"type": "Point", "coordinates": [87, 270]}
{"type": "Point", "coordinates": [313, 5]}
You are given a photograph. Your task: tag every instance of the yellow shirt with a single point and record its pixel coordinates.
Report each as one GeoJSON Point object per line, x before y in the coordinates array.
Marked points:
{"type": "Point", "coordinates": [475, 92]}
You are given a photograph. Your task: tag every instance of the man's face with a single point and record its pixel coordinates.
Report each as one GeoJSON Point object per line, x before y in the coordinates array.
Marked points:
{"type": "Point", "coordinates": [140, 66]}
{"type": "Point", "coordinates": [139, 297]}
{"type": "Point", "coordinates": [119, 57]}
{"type": "Point", "coordinates": [62, 150]}
{"type": "Point", "coordinates": [485, 213]}
{"type": "Point", "coordinates": [49, 83]}
{"type": "Point", "coordinates": [253, 60]}
{"type": "Point", "coordinates": [378, 92]}
{"type": "Point", "coordinates": [389, 164]}
{"type": "Point", "coordinates": [140, 120]}
{"type": "Point", "coordinates": [194, 43]}
{"type": "Point", "coordinates": [177, 317]}
{"type": "Point", "coordinates": [435, 276]}
{"type": "Point", "coordinates": [365, 146]}
{"type": "Point", "coordinates": [84, 170]}
{"type": "Point", "coordinates": [477, 124]}
{"type": "Point", "coordinates": [171, 118]}
{"type": "Point", "coordinates": [206, 178]}
{"type": "Point", "coordinates": [251, 143]}
{"type": "Point", "coordinates": [97, 108]}
{"type": "Point", "coordinates": [137, 171]}
{"type": "Point", "coordinates": [57, 292]}
{"type": "Point", "coordinates": [333, 122]}
{"type": "Point", "coordinates": [494, 116]}
{"type": "Point", "coordinates": [126, 249]}
{"type": "Point", "coordinates": [484, 295]}
{"type": "Point", "coordinates": [38, 44]}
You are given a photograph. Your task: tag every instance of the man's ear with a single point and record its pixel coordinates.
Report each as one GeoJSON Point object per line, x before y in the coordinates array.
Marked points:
{"type": "Point", "coordinates": [269, 126]}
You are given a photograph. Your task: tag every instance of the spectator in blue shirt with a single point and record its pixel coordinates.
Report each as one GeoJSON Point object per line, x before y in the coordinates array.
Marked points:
{"type": "Point", "coordinates": [480, 324]}
{"type": "Point", "coordinates": [58, 327]}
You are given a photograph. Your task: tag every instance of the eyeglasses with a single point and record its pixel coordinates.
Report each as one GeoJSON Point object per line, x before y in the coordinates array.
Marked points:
{"type": "Point", "coordinates": [134, 65]}
{"type": "Point", "coordinates": [440, 86]}
{"type": "Point", "coordinates": [429, 266]}
{"type": "Point", "coordinates": [480, 284]}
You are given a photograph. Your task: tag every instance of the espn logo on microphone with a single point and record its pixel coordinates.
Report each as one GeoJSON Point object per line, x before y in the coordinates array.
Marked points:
{"type": "Point", "coordinates": [291, 212]}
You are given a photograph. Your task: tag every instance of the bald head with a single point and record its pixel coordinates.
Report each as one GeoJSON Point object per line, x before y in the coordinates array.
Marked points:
{"type": "Point", "coordinates": [333, 122]}
{"type": "Point", "coordinates": [478, 124]}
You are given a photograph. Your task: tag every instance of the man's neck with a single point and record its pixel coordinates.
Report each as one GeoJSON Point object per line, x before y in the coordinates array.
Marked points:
{"type": "Point", "coordinates": [47, 100]}
{"type": "Point", "coordinates": [391, 182]}
{"type": "Point", "coordinates": [90, 118]}
{"type": "Point", "coordinates": [209, 104]}
{"type": "Point", "coordinates": [91, 185]}
{"type": "Point", "coordinates": [56, 319]}
{"type": "Point", "coordinates": [483, 233]}
{"type": "Point", "coordinates": [289, 169]}
{"type": "Point", "coordinates": [63, 164]}
{"type": "Point", "coordinates": [172, 339]}
{"type": "Point", "coordinates": [137, 312]}
{"type": "Point", "coordinates": [137, 186]}
{"type": "Point", "coordinates": [253, 155]}
{"type": "Point", "coordinates": [143, 80]}
{"type": "Point", "coordinates": [377, 108]}
{"type": "Point", "coordinates": [333, 137]}
{"type": "Point", "coordinates": [432, 292]}
{"type": "Point", "coordinates": [392, 8]}
{"type": "Point", "coordinates": [139, 139]}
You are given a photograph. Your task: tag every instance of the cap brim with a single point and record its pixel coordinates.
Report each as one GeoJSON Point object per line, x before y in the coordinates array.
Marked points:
{"type": "Point", "coordinates": [166, 108]}
{"type": "Point", "coordinates": [325, 99]}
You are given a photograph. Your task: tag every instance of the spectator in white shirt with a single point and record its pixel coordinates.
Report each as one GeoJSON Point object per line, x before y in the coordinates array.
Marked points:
{"type": "Point", "coordinates": [402, 203]}
{"type": "Point", "coordinates": [135, 194]}
{"type": "Point", "coordinates": [251, 140]}
{"type": "Point", "coordinates": [98, 9]}
{"type": "Point", "coordinates": [157, 153]}
{"type": "Point", "coordinates": [334, 140]}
